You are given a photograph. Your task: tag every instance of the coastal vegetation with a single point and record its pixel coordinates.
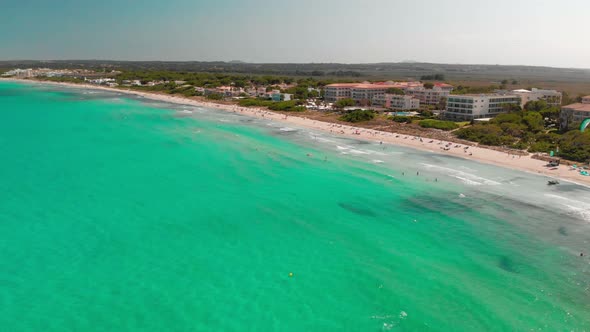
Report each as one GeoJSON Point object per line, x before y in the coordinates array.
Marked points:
{"type": "Point", "coordinates": [284, 106]}
{"type": "Point", "coordinates": [358, 116]}
{"type": "Point", "coordinates": [345, 102]}
{"type": "Point", "coordinates": [463, 89]}
{"type": "Point", "coordinates": [438, 124]}
{"type": "Point", "coordinates": [534, 130]}
{"type": "Point", "coordinates": [403, 119]}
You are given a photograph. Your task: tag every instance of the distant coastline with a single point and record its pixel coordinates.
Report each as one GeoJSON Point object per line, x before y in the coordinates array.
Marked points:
{"type": "Point", "coordinates": [481, 154]}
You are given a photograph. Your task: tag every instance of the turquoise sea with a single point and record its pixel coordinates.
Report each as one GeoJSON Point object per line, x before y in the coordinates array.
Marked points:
{"type": "Point", "coordinates": [122, 214]}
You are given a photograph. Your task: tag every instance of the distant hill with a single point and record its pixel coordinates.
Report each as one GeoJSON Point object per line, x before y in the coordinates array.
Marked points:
{"type": "Point", "coordinates": [403, 70]}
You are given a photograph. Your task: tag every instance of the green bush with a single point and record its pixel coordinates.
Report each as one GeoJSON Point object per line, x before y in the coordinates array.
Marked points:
{"type": "Point", "coordinates": [488, 134]}
{"type": "Point", "coordinates": [358, 116]}
{"type": "Point", "coordinates": [541, 147]}
{"type": "Point", "coordinates": [214, 96]}
{"type": "Point", "coordinates": [285, 106]}
{"type": "Point", "coordinates": [438, 124]}
{"type": "Point", "coordinates": [575, 145]}
{"type": "Point", "coordinates": [402, 119]}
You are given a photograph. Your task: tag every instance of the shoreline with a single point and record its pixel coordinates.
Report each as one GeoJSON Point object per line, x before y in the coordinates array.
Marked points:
{"type": "Point", "coordinates": [475, 153]}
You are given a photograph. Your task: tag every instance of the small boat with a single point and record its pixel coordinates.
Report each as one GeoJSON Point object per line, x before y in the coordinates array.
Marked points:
{"type": "Point", "coordinates": [552, 182]}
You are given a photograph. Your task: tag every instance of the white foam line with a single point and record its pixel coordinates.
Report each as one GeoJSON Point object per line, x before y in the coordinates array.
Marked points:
{"type": "Point", "coordinates": [579, 207]}
{"type": "Point", "coordinates": [464, 176]}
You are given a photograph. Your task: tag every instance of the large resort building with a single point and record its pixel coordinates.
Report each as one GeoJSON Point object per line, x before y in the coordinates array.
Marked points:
{"type": "Point", "coordinates": [574, 113]}
{"type": "Point", "coordinates": [366, 93]}
{"type": "Point", "coordinates": [478, 106]}
{"type": "Point", "coordinates": [396, 102]}
{"type": "Point", "coordinates": [430, 96]}
{"type": "Point", "coordinates": [552, 97]}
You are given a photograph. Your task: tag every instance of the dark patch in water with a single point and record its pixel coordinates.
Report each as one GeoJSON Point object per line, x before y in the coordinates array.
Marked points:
{"type": "Point", "coordinates": [506, 264]}
{"type": "Point", "coordinates": [562, 230]}
{"type": "Point", "coordinates": [357, 210]}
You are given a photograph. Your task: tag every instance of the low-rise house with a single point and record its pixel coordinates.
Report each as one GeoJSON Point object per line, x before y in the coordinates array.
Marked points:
{"type": "Point", "coordinates": [261, 91]}
{"type": "Point", "coordinates": [477, 106]}
{"type": "Point", "coordinates": [574, 113]}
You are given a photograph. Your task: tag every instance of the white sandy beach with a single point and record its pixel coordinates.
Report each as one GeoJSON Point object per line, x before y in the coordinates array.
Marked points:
{"type": "Point", "coordinates": [523, 163]}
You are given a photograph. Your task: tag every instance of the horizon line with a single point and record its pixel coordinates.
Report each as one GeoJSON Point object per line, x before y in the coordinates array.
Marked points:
{"type": "Point", "coordinates": [298, 63]}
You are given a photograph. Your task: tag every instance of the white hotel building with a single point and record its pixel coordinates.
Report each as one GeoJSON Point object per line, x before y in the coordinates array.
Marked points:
{"type": "Point", "coordinates": [552, 97]}
{"type": "Point", "coordinates": [478, 106]}
{"type": "Point", "coordinates": [374, 93]}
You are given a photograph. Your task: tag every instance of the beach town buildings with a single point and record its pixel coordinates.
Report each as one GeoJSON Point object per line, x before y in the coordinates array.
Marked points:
{"type": "Point", "coordinates": [100, 81]}
{"type": "Point", "coordinates": [574, 113]}
{"type": "Point", "coordinates": [552, 97]}
{"type": "Point", "coordinates": [21, 73]}
{"type": "Point", "coordinates": [477, 106]}
{"type": "Point", "coordinates": [430, 96]}
{"type": "Point", "coordinates": [366, 93]}
{"type": "Point", "coordinates": [278, 96]}
{"type": "Point", "coordinates": [396, 102]}
{"type": "Point", "coordinates": [47, 72]}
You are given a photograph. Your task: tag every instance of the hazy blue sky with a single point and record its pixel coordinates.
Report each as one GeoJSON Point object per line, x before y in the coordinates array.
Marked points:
{"type": "Point", "coordinates": [535, 32]}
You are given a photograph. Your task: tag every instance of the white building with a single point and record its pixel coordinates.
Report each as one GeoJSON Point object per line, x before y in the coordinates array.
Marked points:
{"type": "Point", "coordinates": [335, 92]}
{"type": "Point", "coordinates": [430, 96]}
{"type": "Point", "coordinates": [396, 102]}
{"type": "Point", "coordinates": [19, 72]}
{"type": "Point", "coordinates": [100, 81]}
{"type": "Point", "coordinates": [477, 106]}
{"type": "Point", "coordinates": [552, 97]}
{"type": "Point", "coordinates": [364, 93]}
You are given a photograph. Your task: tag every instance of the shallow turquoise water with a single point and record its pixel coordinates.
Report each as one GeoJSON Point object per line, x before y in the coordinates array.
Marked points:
{"type": "Point", "coordinates": [117, 215]}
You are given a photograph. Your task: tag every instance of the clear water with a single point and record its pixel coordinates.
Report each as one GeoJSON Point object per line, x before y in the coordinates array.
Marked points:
{"type": "Point", "coordinates": [121, 214]}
